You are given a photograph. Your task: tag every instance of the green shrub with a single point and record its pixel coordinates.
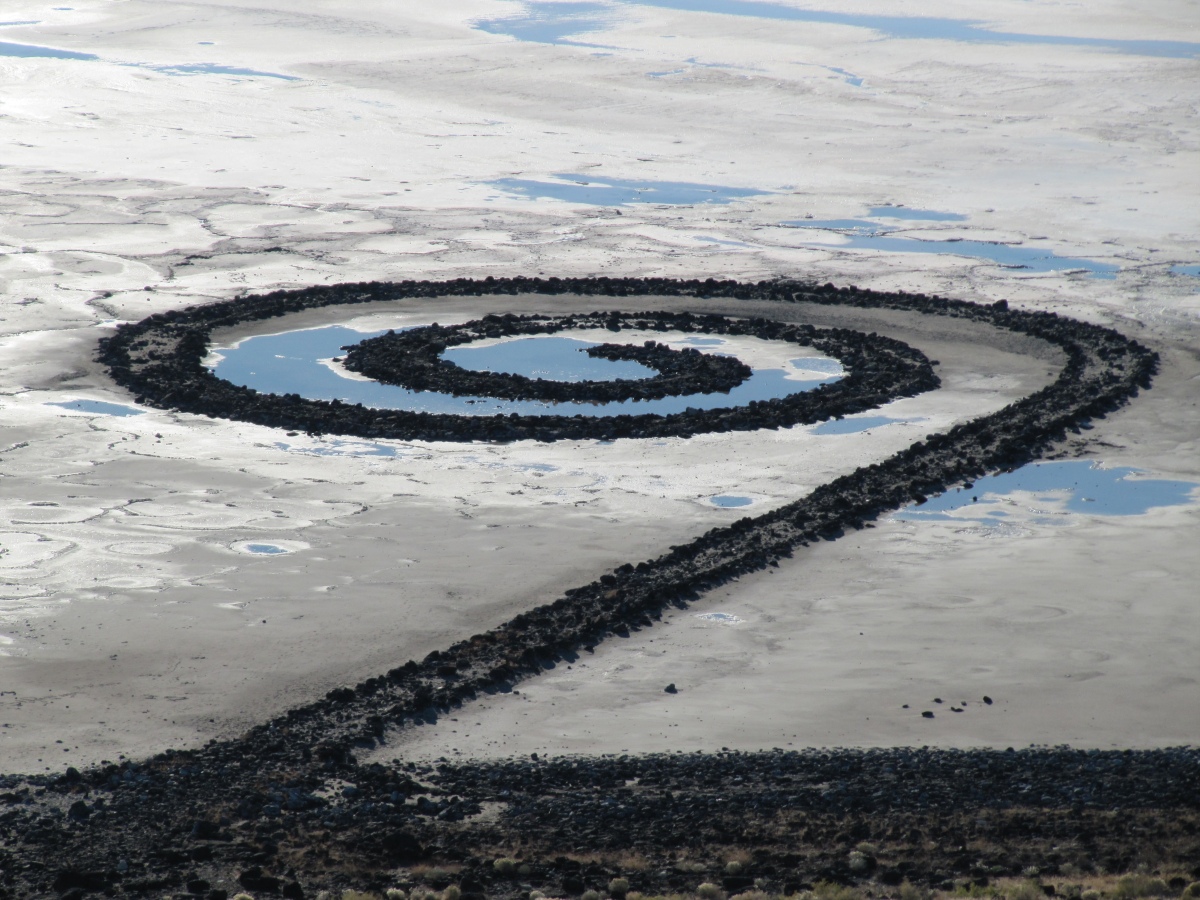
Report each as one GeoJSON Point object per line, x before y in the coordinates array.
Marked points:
{"type": "Point", "coordinates": [453, 892]}
{"type": "Point", "coordinates": [590, 895]}
{"type": "Point", "coordinates": [910, 891]}
{"type": "Point", "coordinates": [733, 867]}
{"type": "Point", "coordinates": [619, 887]}
{"type": "Point", "coordinates": [395, 894]}
{"type": "Point", "coordinates": [505, 865]}
{"type": "Point", "coordinates": [1192, 891]}
{"type": "Point", "coordinates": [710, 891]}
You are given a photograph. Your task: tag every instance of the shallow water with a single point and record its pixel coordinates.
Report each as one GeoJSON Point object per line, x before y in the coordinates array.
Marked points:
{"type": "Point", "coordinates": [214, 69]}
{"type": "Point", "coordinates": [32, 51]}
{"type": "Point", "coordinates": [729, 501]}
{"type": "Point", "coordinates": [1075, 486]}
{"type": "Point", "coordinates": [597, 190]}
{"type": "Point", "coordinates": [263, 549]}
{"type": "Point", "coordinates": [552, 23]}
{"type": "Point", "coordinates": [99, 407]}
{"type": "Point", "coordinates": [1013, 256]}
{"type": "Point", "coordinates": [719, 617]}
{"type": "Point", "coordinates": [922, 27]}
{"type": "Point", "coordinates": [855, 425]}
{"type": "Point", "coordinates": [1186, 270]}
{"type": "Point", "coordinates": [552, 358]}
{"type": "Point", "coordinates": [555, 23]}
{"type": "Point", "coordinates": [922, 215]}
{"type": "Point", "coordinates": [298, 362]}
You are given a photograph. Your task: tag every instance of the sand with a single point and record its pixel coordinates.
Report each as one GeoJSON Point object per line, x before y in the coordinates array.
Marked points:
{"type": "Point", "coordinates": [132, 617]}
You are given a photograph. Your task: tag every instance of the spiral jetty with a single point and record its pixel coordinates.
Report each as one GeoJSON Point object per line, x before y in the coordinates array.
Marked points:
{"type": "Point", "coordinates": [286, 810]}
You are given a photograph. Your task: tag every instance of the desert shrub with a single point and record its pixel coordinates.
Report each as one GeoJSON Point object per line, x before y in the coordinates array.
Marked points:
{"type": "Point", "coordinates": [356, 895]}
{"type": "Point", "coordinates": [1026, 890]}
{"type": "Point", "coordinates": [395, 894]}
{"type": "Point", "coordinates": [1070, 891]}
{"type": "Point", "coordinates": [1091, 895]}
{"type": "Point", "coordinates": [733, 867]}
{"type": "Point", "coordinates": [1192, 891]}
{"type": "Point", "coordinates": [1132, 887]}
{"type": "Point", "coordinates": [690, 866]}
{"type": "Point", "coordinates": [242, 896]}
{"type": "Point", "coordinates": [910, 891]}
{"type": "Point", "coordinates": [710, 891]}
{"type": "Point", "coordinates": [828, 890]}
{"type": "Point", "coordinates": [453, 892]}
{"type": "Point", "coordinates": [752, 895]}
{"type": "Point", "coordinates": [618, 887]}
{"type": "Point", "coordinates": [505, 865]}
{"type": "Point", "coordinates": [867, 849]}
{"type": "Point", "coordinates": [635, 895]}
{"type": "Point", "coordinates": [859, 862]}
{"type": "Point", "coordinates": [590, 895]}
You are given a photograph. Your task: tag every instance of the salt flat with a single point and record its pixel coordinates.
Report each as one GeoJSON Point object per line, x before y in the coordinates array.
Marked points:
{"type": "Point", "coordinates": [139, 181]}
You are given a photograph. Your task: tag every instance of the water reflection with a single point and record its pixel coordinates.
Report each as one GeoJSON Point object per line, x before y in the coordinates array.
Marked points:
{"type": "Point", "coordinates": [301, 362]}
{"type": "Point", "coordinates": [1049, 489]}
{"type": "Point", "coordinates": [598, 190]}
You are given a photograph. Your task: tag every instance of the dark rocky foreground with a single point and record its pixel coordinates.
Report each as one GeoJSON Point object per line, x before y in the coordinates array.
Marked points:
{"type": "Point", "coordinates": [286, 809]}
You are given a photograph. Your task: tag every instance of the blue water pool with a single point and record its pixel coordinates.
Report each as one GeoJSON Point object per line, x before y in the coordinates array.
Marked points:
{"type": "Point", "coordinates": [1186, 270]}
{"type": "Point", "coordinates": [1076, 486]}
{"type": "Point", "coordinates": [854, 425]}
{"type": "Point", "coordinates": [922, 27]}
{"type": "Point", "coordinates": [264, 549]}
{"type": "Point", "coordinates": [552, 23]}
{"type": "Point", "coordinates": [99, 407]}
{"type": "Point", "coordinates": [32, 51]}
{"type": "Point", "coordinates": [1016, 256]}
{"type": "Point", "coordinates": [552, 358]}
{"type": "Point", "coordinates": [214, 69]}
{"type": "Point", "coordinates": [299, 362]}
{"type": "Point", "coordinates": [598, 190]}
{"type": "Point", "coordinates": [729, 501]}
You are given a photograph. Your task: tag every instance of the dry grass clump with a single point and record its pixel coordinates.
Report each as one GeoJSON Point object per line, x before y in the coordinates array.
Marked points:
{"type": "Point", "coordinates": [1134, 887]}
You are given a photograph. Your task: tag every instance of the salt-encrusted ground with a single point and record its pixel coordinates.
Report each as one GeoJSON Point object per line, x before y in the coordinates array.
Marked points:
{"type": "Point", "coordinates": [133, 619]}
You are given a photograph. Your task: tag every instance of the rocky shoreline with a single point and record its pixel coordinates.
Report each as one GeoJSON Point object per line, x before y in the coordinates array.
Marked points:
{"type": "Point", "coordinates": [286, 809]}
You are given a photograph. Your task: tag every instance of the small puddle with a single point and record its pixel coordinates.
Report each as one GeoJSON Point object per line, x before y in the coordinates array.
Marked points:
{"type": "Point", "coordinates": [263, 549]}
{"type": "Point", "coordinates": [1054, 489]}
{"type": "Point", "coordinates": [1194, 271]}
{"type": "Point", "coordinates": [719, 617]}
{"type": "Point", "coordinates": [213, 69]}
{"type": "Point", "coordinates": [854, 425]}
{"type": "Point", "coordinates": [596, 190]}
{"type": "Point", "coordinates": [552, 23]}
{"type": "Point", "coordinates": [99, 408]}
{"type": "Point", "coordinates": [302, 362]}
{"type": "Point", "coordinates": [1012, 256]}
{"type": "Point", "coordinates": [729, 501]}
{"type": "Point", "coordinates": [342, 448]}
